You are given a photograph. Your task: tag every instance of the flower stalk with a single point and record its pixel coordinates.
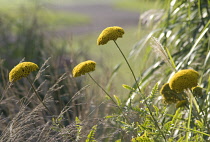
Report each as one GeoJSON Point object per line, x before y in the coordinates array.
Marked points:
{"type": "Point", "coordinates": [37, 95]}
{"type": "Point", "coordinates": [89, 66]}
{"type": "Point", "coordinates": [155, 121]}
{"type": "Point", "coordinates": [107, 95]}
{"type": "Point", "coordinates": [23, 70]}
{"type": "Point", "coordinates": [112, 33]}
{"type": "Point", "coordinates": [189, 117]}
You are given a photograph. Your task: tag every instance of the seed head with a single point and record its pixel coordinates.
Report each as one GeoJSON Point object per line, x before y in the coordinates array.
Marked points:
{"type": "Point", "coordinates": [184, 79]}
{"type": "Point", "coordinates": [83, 67]}
{"type": "Point", "coordinates": [110, 33]}
{"type": "Point", "coordinates": [22, 70]}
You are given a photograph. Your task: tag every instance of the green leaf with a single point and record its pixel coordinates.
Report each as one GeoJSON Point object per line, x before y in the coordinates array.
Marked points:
{"type": "Point", "coordinates": [156, 110]}
{"type": "Point", "coordinates": [90, 137]}
{"type": "Point", "coordinates": [109, 116]}
{"type": "Point", "coordinates": [154, 91]}
{"type": "Point", "coordinates": [176, 115]}
{"type": "Point", "coordinates": [118, 100]}
{"type": "Point", "coordinates": [199, 123]}
{"type": "Point", "coordinates": [171, 58]}
{"type": "Point", "coordinates": [79, 128]}
{"type": "Point", "coordinates": [168, 125]}
{"type": "Point", "coordinates": [128, 87]}
{"type": "Point", "coordinates": [181, 139]}
{"type": "Point", "coordinates": [195, 131]}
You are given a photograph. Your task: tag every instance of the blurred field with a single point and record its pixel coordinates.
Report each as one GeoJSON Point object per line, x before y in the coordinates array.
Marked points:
{"type": "Point", "coordinates": [54, 19]}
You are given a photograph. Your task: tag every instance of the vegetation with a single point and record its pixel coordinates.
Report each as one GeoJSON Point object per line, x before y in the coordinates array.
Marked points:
{"type": "Point", "coordinates": [52, 19]}
{"type": "Point", "coordinates": [52, 104]}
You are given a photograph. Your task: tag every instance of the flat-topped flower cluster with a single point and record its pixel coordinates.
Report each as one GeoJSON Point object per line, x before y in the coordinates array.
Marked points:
{"type": "Point", "coordinates": [22, 70]}
{"type": "Point", "coordinates": [184, 79]}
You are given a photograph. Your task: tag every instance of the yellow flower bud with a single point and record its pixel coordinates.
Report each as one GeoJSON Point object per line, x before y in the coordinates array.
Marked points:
{"type": "Point", "coordinates": [22, 70]}
{"type": "Point", "coordinates": [170, 96]}
{"type": "Point", "coordinates": [197, 91]}
{"type": "Point", "coordinates": [83, 67]}
{"type": "Point", "coordinates": [184, 79]}
{"type": "Point", "coordinates": [110, 33]}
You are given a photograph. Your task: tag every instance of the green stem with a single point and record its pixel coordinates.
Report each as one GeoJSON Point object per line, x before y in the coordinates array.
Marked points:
{"type": "Point", "coordinates": [128, 65]}
{"type": "Point", "coordinates": [30, 82]}
{"type": "Point", "coordinates": [155, 121]}
{"type": "Point", "coordinates": [190, 95]}
{"type": "Point", "coordinates": [195, 103]}
{"type": "Point", "coordinates": [189, 118]}
{"type": "Point", "coordinates": [107, 95]}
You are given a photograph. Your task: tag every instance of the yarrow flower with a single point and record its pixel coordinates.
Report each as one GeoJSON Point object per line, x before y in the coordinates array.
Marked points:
{"type": "Point", "coordinates": [110, 33]}
{"type": "Point", "coordinates": [83, 67]}
{"type": "Point", "coordinates": [170, 96]}
{"type": "Point", "coordinates": [184, 79]}
{"type": "Point", "coordinates": [22, 70]}
{"type": "Point", "coordinates": [197, 91]}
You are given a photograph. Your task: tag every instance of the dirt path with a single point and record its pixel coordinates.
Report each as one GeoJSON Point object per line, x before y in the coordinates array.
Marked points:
{"type": "Point", "coordinates": [101, 16]}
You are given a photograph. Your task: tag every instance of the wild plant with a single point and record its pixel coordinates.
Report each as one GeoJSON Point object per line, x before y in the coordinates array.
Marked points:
{"type": "Point", "coordinates": [169, 101]}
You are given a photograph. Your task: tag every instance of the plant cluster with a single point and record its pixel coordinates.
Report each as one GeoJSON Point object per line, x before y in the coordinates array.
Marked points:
{"type": "Point", "coordinates": [53, 107]}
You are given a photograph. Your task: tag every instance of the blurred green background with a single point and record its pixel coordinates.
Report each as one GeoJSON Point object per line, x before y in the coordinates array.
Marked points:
{"type": "Point", "coordinates": [38, 29]}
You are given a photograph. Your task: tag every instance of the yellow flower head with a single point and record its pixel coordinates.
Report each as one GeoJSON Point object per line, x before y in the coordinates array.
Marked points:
{"type": "Point", "coordinates": [197, 91]}
{"type": "Point", "coordinates": [22, 70]}
{"type": "Point", "coordinates": [84, 67]}
{"type": "Point", "coordinates": [181, 103]}
{"type": "Point", "coordinates": [110, 33]}
{"type": "Point", "coordinates": [170, 96]}
{"type": "Point", "coordinates": [184, 79]}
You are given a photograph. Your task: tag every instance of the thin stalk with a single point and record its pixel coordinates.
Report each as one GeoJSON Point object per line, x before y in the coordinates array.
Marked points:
{"type": "Point", "coordinates": [195, 103]}
{"type": "Point", "coordinates": [189, 118]}
{"type": "Point", "coordinates": [5, 90]}
{"type": "Point", "coordinates": [190, 95]}
{"type": "Point", "coordinates": [33, 87]}
{"type": "Point", "coordinates": [128, 65]}
{"type": "Point", "coordinates": [155, 121]}
{"type": "Point", "coordinates": [108, 95]}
